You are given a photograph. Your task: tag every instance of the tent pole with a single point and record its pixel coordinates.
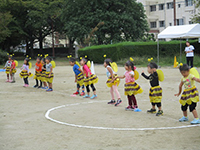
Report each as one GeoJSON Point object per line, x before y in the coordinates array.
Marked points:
{"type": "Point", "coordinates": [158, 52]}
{"type": "Point", "coordinates": [180, 51]}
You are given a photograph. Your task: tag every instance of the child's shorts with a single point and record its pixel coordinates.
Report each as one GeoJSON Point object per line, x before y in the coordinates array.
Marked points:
{"type": "Point", "coordinates": [191, 107]}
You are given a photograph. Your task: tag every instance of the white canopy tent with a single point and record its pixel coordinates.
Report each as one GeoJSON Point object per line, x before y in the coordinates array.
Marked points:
{"type": "Point", "coordinates": [179, 32]}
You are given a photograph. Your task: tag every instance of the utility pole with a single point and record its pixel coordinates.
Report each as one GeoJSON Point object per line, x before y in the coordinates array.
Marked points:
{"type": "Point", "coordinates": [174, 2]}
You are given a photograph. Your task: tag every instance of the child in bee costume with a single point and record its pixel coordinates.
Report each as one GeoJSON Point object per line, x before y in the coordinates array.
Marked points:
{"type": "Point", "coordinates": [155, 92]}
{"type": "Point", "coordinates": [90, 79]}
{"type": "Point", "coordinates": [113, 81]}
{"type": "Point", "coordinates": [43, 74]}
{"type": "Point", "coordinates": [79, 77]}
{"type": "Point", "coordinates": [7, 67]}
{"type": "Point", "coordinates": [49, 72]}
{"type": "Point", "coordinates": [190, 95]}
{"type": "Point", "coordinates": [13, 69]}
{"type": "Point", "coordinates": [38, 70]}
{"type": "Point", "coordinates": [25, 73]}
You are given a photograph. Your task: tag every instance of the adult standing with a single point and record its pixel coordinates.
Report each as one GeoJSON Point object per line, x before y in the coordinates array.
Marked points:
{"type": "Point", "coordinates": [189, 50]}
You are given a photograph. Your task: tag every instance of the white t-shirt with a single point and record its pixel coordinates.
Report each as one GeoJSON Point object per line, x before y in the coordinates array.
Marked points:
{"type": "Point", "coordinates": [190, 48]}
{"type": "Point", "coordinates": [107, 72]}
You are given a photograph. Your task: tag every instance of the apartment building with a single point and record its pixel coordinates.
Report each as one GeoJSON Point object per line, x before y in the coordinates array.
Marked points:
{"type": "Point", "coordinates": [160, 13]}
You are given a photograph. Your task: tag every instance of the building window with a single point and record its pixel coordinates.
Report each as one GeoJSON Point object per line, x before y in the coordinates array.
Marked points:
{"type": "Point", "coordinates": [153, 24]}
{"type": "Point", "coordinates": [162, 23]}
{"type": "Point", "coordinates": [179, 5]}
{"type": "Point", "coordinates": [170, 5]}
{"type": "Point", "coordinates": [188, 2]}
{"type": "Point", "coordinates": [153, 8]}
{"type": "Point", "coordinates": [179, 22]}
{"type": "Point", "coordinates": [161, 6]}
{"type": "Point", "coordinates": [170, 24]}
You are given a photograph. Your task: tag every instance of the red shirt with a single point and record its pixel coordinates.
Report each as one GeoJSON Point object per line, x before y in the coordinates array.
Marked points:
{"type": "Point", "coordinates": [13, 65]}
{"type": "Point", "coordinates": [38, 67]}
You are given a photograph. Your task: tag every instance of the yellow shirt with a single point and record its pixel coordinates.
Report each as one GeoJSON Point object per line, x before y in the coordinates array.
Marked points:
{"type": "Point", "coordinates": [188, 82]}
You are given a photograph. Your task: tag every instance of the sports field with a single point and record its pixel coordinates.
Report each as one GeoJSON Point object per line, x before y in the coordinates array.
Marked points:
{"type": "Point", "coordinates": [30, 121]}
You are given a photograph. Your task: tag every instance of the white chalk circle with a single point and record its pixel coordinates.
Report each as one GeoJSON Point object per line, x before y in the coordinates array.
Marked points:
{"type": "Point", "coordinates": [106, 128]}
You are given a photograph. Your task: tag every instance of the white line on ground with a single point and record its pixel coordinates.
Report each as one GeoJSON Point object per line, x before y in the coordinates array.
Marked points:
{"type": "Point", "coordinates": [107, 128]}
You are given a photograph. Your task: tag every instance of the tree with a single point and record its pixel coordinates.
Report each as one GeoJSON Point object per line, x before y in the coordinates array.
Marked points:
{"type": "Point", "coordinates": [5, 19]}
{"type": "Point", "coordinates": [196, 17]}
{"type": "Point", "coordinates": [16, 33]}
{"type": "Point", "coordinates": [74, 21]}
{"type": "Point", "coordinates": [32, 19]}
{"type": "Point", "coordinates": [43, 18]}
{"type": "Point", "coordinates": [123, 20]}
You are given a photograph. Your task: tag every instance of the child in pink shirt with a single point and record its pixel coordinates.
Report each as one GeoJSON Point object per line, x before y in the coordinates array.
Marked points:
{"type": "Point", "coordinates": [131, 87]}
{"type": "Point", "coordinates": [90, 79]}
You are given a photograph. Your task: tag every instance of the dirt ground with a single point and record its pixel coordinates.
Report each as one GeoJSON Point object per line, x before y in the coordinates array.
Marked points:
{"type": "Point", "coordinates": [23, 125]}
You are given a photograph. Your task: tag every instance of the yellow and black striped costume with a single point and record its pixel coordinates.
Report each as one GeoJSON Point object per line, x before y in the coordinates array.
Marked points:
{"type": "Point", "coordinates": [13, 71]}
{"type": "Point", "coordinates": [132, 88]}
{"type": "Point", "coordinates": [93, 79]}
{"type": "Point", "coordinates": [37, 75]}
{"type": "Point", "coordinates": [8, 66]}
{"type": "Point", "coordinates": [7, 70]}
{"type": "Point", "coordinates": [109, 82]}
{"type": "Point", "coordinates": [190, 94]}
{"type": "Point", "coordinates": [80, 79]}
{"type": "Point", "coordinates": [49, 79]}
{"type": "Point", "coordinates": [25, 74]}
{"type": "Point", "coordinates": [155, 94]}
{"type": "Point", "coordinates": [43, 76]}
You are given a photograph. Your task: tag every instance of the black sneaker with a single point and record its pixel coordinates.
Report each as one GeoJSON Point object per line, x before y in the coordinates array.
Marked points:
{"type": "Point", "coordinates": [39, 87]}
{"type": "Point", "coordinates": [118, 102]}
{"type": "Point", "coordinates": [35, 86]}
{"type": "Point", "coordinates": [12, 82]}
{"type": "Point", "coordinates": [152, 111]}
{"type": "Point", "coordinates": [159, 113]}
{"type": "Point", "coordinates": [112, 102]}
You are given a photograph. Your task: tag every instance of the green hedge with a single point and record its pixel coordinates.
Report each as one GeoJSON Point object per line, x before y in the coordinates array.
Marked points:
{"type": "Point", "coordinates": [3, 57]}
{"type": "Point", "coordinates": [130, 49]}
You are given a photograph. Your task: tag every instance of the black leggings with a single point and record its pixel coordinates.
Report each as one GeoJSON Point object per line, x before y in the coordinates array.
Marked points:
{"type": "Point", "coordinates": [158, 104]}
{"type": "Point", "coordinates": [92, 86]}
{"type": "Point", "coordinates": [192, 107]}
{"type": "Point", "coordinates": [37, 82]}
{"type": "Point", "coordinates": [78, 86]}
{"type": "Point", "coordinates": [190, 61]}
{"type": "Point", "coordinates": [26, 80]}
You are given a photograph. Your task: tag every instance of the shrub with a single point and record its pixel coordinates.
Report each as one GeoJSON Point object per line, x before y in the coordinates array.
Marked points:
{"type": "Point", "coordinates": [134, 49]}
{"type": "Point", "coordinates": [3, 57]}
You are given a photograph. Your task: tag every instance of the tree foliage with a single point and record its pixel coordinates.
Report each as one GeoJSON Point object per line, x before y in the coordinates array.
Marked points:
{"type": "Point", "coordinates": [30, 20]}
{"type": "Point", "coordinates": [123, 20]}
{"type": "Point", "coordinates": [5, 19]}
{"type": "Point", "coordinates": [196, 17]}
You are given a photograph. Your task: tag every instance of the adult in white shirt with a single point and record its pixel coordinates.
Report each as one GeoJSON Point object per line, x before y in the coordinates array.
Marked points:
{"type": "Point", "coordinates": [189, 50]}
